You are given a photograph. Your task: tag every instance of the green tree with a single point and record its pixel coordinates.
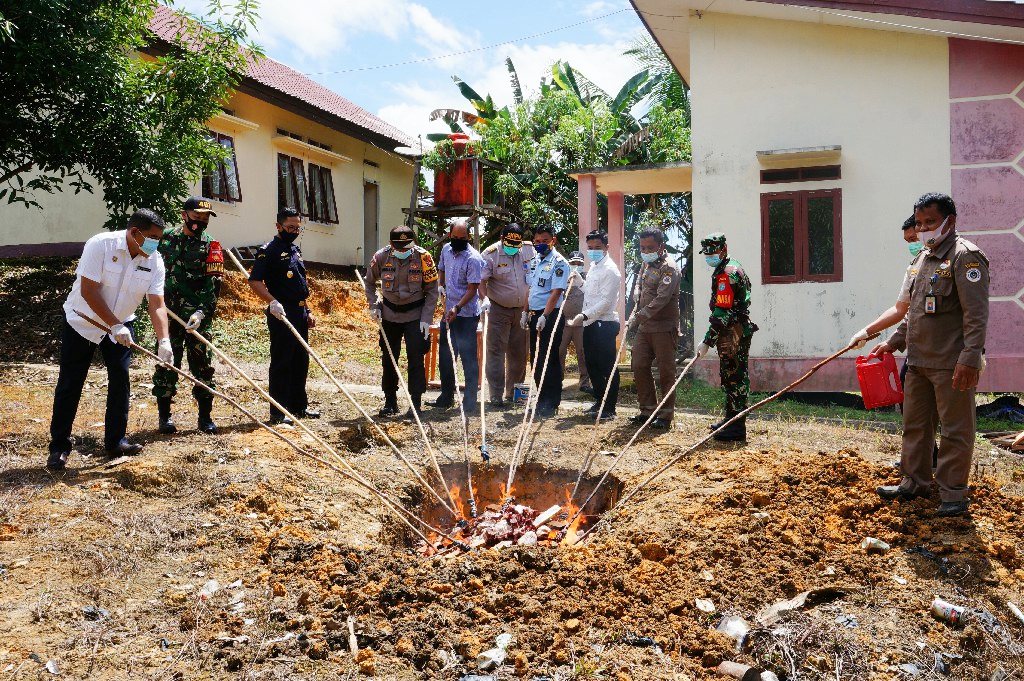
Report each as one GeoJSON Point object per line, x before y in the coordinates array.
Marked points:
{"type": "Point", "coordinates": [80, 101]}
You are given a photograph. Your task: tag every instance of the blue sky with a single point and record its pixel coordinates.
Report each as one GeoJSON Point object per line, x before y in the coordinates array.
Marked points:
{"type": "Point", "coordinates": [335, 42]}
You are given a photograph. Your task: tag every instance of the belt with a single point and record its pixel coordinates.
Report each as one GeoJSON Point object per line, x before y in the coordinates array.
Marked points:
{"type": "Point", "coordinates": [295, 303]}
{"type": "Point", "coordinates": [395, 307]}
{"type": "Point", "coordinates": [535, 313]}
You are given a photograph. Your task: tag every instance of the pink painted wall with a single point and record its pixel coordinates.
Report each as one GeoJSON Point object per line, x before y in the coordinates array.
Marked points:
{"type": "Point", "coordinates": [987, 151]}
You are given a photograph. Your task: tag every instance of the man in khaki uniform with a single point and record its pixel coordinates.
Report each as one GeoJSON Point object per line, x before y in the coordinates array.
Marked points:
{"type": "Point", "coordinates": [573, 306]}
{"type": "Point", "coordinates": [504, 290]}
{"type": "Point", "coordinates": [657, 323]}
{"type": "Point", "coordinates": [408, 279]}
{"type": "Point", "coordinates": [944, 336]}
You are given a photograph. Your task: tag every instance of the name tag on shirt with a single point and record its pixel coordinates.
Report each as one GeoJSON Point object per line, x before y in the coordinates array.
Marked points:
{"type": "Point", "coordinates": [929, 304]}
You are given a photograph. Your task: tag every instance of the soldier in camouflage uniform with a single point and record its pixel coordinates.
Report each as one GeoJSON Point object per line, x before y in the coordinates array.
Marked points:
{"type": "Point", "coordinates": [195, 266]}
{"type": "Point", "coordinates": [730, 332]}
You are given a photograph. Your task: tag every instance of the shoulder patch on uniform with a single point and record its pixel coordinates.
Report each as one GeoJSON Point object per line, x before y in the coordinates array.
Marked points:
{"type": "Point", "coordinates": [973, 275]}
{"type": "Point", "coordinates": [426, 260]}
{"type": "Point", "coordinates": [969, 265]}
{"type": "Point", "coordinates": [559, 271]}
{"type": "Point", "coordinates": [667, 280]}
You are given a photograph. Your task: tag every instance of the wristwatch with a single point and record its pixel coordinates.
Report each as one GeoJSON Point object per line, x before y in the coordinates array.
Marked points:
{"type": "Point", "coordinates": [458, 308]}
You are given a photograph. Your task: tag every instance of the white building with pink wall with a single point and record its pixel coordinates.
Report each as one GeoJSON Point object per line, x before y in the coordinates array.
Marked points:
{"type": "Point", "coordinates": [816, 125]}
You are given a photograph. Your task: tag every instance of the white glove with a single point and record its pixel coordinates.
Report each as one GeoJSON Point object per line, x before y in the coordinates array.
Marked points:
{"type": "Point", "coordinates": [195, 320]}
{"type": "Point", "coordinates": [277, 309]}
{"type": "Point", "coordinates": [121, 334]}
{"type": "Point", "coordinates": [541, 323]}
{"type": "Point", "coordinates": [702, 350]}
{"type": "Point", "coordinates": [524, 321]}
{"type": "Point", "coordinates": [425, 330]}
{"type": "Point", "coordinates": [485, 305]}
{"type": "Point", "coordinates": [984, 363]}
{"type": "Point", "coordinates": [164, 352]}
{"type": "Point", "coordinates": [440, 291]}
{"type": "Point", "coordinates": [859, 339]}
{"type": "Point", "coordinates": [375, 314]}
{"type": "Point", "coordinates": [577, 320]}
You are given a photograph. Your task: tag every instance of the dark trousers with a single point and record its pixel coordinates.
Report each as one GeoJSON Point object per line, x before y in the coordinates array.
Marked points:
{"type": "Point", "coordinates": [75, 357]}
{"type": "Point", "coordinates": [200, 362]}
{"type": "Point", "coordinates": [550, 395]}
{"type": "Point", "coordinates": [463, 332]}
{"type": "Point", "coordinates": [289, 361]}
{"type": "Point", "coordinates": [599, 353]}
{"type": "Point", "coordinates": [415, 349]}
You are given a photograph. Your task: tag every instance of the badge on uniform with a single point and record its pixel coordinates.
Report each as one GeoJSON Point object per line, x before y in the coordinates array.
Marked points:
{"type": "Point", "coordinates": [667, 280]}
{"type": "Point", "coordinates": [929, 304]}
{"type": "Point", "coordinates": [559, 272]}
{"type": "Point", "coordinates": [114, 259]}
{"type": "Point", "coordinates": [290, 274]}
{"type": "Point", "coordinates": [973, 275]}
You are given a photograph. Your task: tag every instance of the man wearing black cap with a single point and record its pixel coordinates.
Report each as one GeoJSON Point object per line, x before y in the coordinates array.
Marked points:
{"type": "Point", "coordinates": [504, 289]}
{"type": "Point", "coordinates": [195, 266]}
{"type": "Point", "coordinates": [573, 306]}
{"type": "Point", "coordinates": [408, 281]}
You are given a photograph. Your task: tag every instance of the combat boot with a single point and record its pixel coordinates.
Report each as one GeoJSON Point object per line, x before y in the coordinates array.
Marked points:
{"type": "Point", "coordinates": [734, 432]}
{"type": "Point", "coordinates": [417, 401]}
{"type": "Point", "coordinates": [390, 407]}
{"type": "Point", "coordinates": [206, 424]}
{"type": "Point", "coordinates": [729, 413]}
{"type": "Point", "coordinates": [163, 405]}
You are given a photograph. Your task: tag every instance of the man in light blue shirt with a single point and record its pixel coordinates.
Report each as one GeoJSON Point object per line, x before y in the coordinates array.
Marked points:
{"type": "Point", "coordinates": [460, 267]}
{"type": "Point", "coordinates": [548, 278]}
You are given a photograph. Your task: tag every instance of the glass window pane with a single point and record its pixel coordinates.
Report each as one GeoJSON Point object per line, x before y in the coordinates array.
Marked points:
{"type": "Point", "coordinates": [301, 190]}
{"type": "Point", "coordinates": [332, 209]}
{"type": "Point", "coordinates": [231, 190]}
{"type": "Point", "coordinates": [820, 235]}
{"type": "Point", "coordinates": [316, 191]}
{"type": "Point", "coordinates": [781, 243]}
{"type": "Point", "coordinates": [285, 188]}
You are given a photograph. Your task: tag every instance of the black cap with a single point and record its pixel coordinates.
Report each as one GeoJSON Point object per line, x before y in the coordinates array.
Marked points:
{"type": "Point", "coordinates": [197, 204]}
{"type": "Point", "coordinates": [576, 256]}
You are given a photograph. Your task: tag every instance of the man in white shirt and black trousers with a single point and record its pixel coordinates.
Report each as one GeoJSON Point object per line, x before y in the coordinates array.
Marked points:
{"type": "Point", "coordinates": [116, 271]}
{"type": "Point", "coordinates": [600, 320]}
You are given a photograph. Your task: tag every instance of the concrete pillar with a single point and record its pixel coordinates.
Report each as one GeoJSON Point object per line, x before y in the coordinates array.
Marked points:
{"type": "Point", "coordinates": [586, 197]}
{"type": "Point", "coordinates": [616, 243]}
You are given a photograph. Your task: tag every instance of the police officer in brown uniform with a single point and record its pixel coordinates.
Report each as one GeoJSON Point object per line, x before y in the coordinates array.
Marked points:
{"type": "Point", "coordinates": [408, 279]}
{"type": "Point", "coordinates": [504, 289]}
{"type": "Point", "coordinates": [657, 323]}
{"type": "Point", "coordinates": [944, 336]}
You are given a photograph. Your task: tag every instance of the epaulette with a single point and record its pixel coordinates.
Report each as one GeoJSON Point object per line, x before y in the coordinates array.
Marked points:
{"type": "Point", "coordinates": [492, 247]}
{"type": "Point", "coordinates": [973, 248]}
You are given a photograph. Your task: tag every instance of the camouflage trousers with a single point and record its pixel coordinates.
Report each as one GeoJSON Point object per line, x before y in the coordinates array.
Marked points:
{"type": "Point", "coordinates": [200, 362]}
{"type": "Point", "coordinates": [733, 353]}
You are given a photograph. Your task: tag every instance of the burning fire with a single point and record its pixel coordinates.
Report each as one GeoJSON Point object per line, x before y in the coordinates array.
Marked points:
{"type": "Point", "coordinates": [571, 510]}
{"type": "Point", "coordinates": [460, 507]}
{"type": "Point", "coordinates": [507, 493]}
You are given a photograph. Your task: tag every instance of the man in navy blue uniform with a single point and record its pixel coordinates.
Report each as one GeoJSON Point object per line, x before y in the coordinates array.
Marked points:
{"type": "Point", "coordinates": [279, 278]}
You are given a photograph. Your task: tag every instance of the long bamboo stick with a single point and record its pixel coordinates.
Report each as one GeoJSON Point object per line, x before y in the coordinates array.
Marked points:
{"type": "Point", "coordinates": [464, 419]}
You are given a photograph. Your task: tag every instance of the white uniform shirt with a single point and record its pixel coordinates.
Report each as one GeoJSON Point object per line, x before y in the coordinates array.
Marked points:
{"type": "Point", "coordinates": [601, 292]}
{"type": "Point", "coordinates": [124, 281]}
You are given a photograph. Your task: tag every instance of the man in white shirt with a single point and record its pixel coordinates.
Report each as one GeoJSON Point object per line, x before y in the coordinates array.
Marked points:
{"type": "Point", "coordinates": [116, 271]}
{"type": "Point", "coordinates": [600, 320]}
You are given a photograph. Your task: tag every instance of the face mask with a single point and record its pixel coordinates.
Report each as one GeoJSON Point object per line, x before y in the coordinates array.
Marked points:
{"type": "Point", "coordinates": [649, 257]}
{"type": "Point", "coordinates": [197, 226]}
{"type": "Point", "coordinates": [713, 260]}
{"type": "Point", "coordinates": [288, 237]}
{"type": "Point", "coordinates": [148, 245]}
{"type": "Point", "coordinates": [459, 245]}
{"type": "Point", "coordinates": [915, 247]}
{"type": "Point", "coordinates": [933, 238]}
{"type": "Point", "coordinates": [542, 249]}
{"type": "Point", "coordinates": [595, 255]}
{"type": "Point", "coordinates": [402, 255]}
{"type": "Point", "coordinates": [510, 250]}
{"type": "Point", "coordinates": [576, 268]}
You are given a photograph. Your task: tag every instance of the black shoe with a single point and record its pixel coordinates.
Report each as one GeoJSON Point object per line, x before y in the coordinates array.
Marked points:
{"type": "Point", "coordinates": [661, 424]}
{"type": "Point", "coordinates": [124, 448]}
{"type": "Point", "coordinates": [497, 403]}
{"type": "Point", "coordinates": [639, 418]}
{"type": "Point", "coordinates": [390, 407]}
{"type": "Point", "coordinates": [167, 426]}
{"type": "Point", "coordinates": [890, 492]}
{"type": "Point", "coordinates": [546, 412]}
{"type": "Point", "coordinates": [588, 389]}
{"type": "Point", "coordinates": [57, 461]}
{"type": "Point", "coordinates": [443, 402]}
{"type": "Point", "coordinates": [205, 423]}
{"type": "Point", "coordinates": [717, 424]}
{"type": "Point", "coordinates": [608, 416]}
{"type": "Point", "coordinates": [592, 410]}
{"type": "Point", "coordinates": [734, 432]}
{"type": "Point", "coordinates": [949, 509]}
{"type": "Point", "coordinates": [308, 414]}
{"type": "Point", "coordinates": [280, 420]}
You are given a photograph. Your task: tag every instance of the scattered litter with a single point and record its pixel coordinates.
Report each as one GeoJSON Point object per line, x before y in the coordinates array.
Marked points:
{"type": "Point", "coordinates": [775, 611]}
{"type": "Point", "coordinates": [942, 561]}
{"type": "Point", "coordinates": [898, 579]}
{"type": "Point", "coordinates": [769, 676]}
{"type": "Point", "coordinates": [910, 669]}
{"type": "Point", "coordinates": [940, 666]}
{"type": "Point", "coordinates": [51, 666]}
{"type": "Point", "coordinates": [870, 544]}
{"type": "Point", "coordinates": [736, 628]}
{"type": "Point", "coordinates": [1016, 611]}
{"type": "Point", "coordinates": [93, 613]}
{"type": "Point", "coordinates": [495, 657]}
{"type": "Point", "coordinates": [237, 584]}
{"type": "Point", "coordinates": [210, 588]}
{"type": "Point", "coordinates": [280, 639]}
{"type": "Point", "coordinates": [707, 576]}
{"type": "Point", "coordinates": [35, 657]}
{"type": "Point", "coordinates": [704, 605]}
{"type": "Point", "coordinates": [631, 639]}
{"type": "Point", "coordinates": [478, 677]}
{"type": "Point", "coordinates": [947, 611]}
{"type": "Point", "coordinates": [848, 621]}
{"type": "Point", "coordinates": [739, 671]}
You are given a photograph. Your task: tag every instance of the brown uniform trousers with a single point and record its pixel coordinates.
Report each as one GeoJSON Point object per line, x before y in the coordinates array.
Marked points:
{"type": "Point", "coordinates": [656, 339]}
{"type": "Point", "coordinates": [508, 346]}
{"type": "Point", "coordinates": [572, 306]}
{"type": "Point", "coordinates": [956, 277]}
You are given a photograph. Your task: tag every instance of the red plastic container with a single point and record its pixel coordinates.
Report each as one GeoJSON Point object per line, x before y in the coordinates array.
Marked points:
{"type": "Point", "coordinates": [455, 188]}
{"type": "Point", "coordinates": [879, 381]}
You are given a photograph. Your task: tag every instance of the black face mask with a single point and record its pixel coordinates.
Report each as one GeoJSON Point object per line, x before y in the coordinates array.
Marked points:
{"type": "Point", "coordinates": [197, 226]}
{"type": "Point", "coordinates": [459, 245]}
{"type": "Point", "coordinates": [287, 237]}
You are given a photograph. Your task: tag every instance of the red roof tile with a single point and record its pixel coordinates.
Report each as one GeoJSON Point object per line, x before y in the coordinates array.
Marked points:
{"type": "Point", "coordinates": [166, 24]}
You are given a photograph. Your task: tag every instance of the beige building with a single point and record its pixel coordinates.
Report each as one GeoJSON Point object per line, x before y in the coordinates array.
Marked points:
{"type": "Point", "coordinates": [816, 125]}
{"type": "Point", "coordinates": [295, 143]}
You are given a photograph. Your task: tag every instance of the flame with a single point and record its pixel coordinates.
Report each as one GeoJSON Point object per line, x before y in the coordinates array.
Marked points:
{"type": "Point", "coordinates": [506, 493]}
{"type": "Point", "coordinates": [431, 543]}
{"type": "Point", "coordinates": [571, 534]}
{"type": "Point", "coordinates": [460, 507]}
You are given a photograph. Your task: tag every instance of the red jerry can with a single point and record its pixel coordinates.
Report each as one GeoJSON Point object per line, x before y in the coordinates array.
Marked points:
{"type": "Point", "coordinates": [455, 188]}
{"type": "Point", "coordinates": [879, 381]}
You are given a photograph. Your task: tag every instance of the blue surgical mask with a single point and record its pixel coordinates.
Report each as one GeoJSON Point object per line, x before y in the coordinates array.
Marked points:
{"type": "Point", "coordinates": [576, 268]}
{"type": "Point", "coordinates": [149, 245]}
{"type": "Point", "coordinates": [915, 247]}
{"type": "Point", "coordinates": [510, 250]}
{"type": "Point", "coordinates": [402, 255]}
{"type": "Point", "coordinates": [713, 260]}
{"type": "Point", "coordinates": [595, 255]}
{"type": "Point", "coordinates": [649, 257]}
{"type": "Point", "coordinates": [542, 249]}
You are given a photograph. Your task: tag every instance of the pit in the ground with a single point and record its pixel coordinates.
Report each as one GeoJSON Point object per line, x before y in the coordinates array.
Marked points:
{"type": "Point", "coordinates": [536, 486]}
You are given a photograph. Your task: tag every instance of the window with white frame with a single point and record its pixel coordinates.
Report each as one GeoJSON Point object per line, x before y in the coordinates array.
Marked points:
{"type": "Point", "coordinates": [222, 182]}
{"type": "Point", "coordinates": [292, 191]}
{"type": "Point", "coordinates": [321, 194]}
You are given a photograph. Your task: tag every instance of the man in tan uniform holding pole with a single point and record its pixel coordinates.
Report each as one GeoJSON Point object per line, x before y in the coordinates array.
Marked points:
{"type": "Point", "coordinates": [657, 323]}
{"type": "Point", "coordinates": [504, 290]}
{"type": "Point", "coordinates": [944, 336]}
